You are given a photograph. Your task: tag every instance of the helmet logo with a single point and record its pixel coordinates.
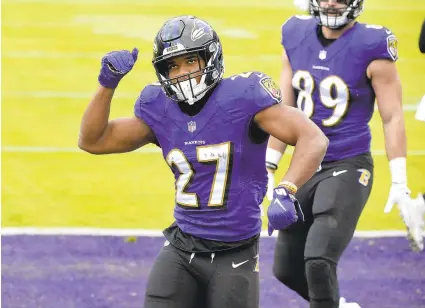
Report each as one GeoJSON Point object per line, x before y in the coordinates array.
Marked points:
{"type": "Point", "coordinates": [199, 30]}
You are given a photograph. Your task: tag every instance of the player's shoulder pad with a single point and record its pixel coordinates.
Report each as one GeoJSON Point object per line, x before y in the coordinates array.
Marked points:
{"type": "Point", "coordinates": [296, 29]}
{"type": "Point", "coordinates": [150, 93]}
{"type": "Point", "coordinates": [247, 93]}
{"type": "Point", "coordinates": [378, 41]}
{"type": "Point", "coordinates": [149, 102]}
{"type": "Point", "coordinates": [254, 84]}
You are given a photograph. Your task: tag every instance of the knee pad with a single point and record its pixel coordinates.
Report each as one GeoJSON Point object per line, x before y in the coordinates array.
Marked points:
{"type": "Point", "coordinates": [322, 281]}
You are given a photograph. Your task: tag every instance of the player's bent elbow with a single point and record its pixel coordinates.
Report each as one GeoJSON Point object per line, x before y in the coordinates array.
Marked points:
{"type": "Point", "coordinates": [87, 147]}
{"type": "Point", "coordinates": [321, 142]}
{"type": "Point", "coordinates": [84, 147]}
{"type": "Point", "coordinates": [325, 144]}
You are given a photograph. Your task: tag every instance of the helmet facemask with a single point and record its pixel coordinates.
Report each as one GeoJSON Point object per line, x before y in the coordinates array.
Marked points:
{"type": "Point", "coordinates": [185, 88]}
{"type": "Point", "coordinates": [336, 18]}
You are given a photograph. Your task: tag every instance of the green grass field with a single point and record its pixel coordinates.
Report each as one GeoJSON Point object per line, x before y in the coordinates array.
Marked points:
{"type": "Point", "coordinates": [51, 55]}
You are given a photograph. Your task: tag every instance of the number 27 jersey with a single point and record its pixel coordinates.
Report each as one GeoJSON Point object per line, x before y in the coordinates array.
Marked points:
{"type": "Point", "coordinates": [330, 83]}
{"type": "Point", "coordinates": [219, 170]}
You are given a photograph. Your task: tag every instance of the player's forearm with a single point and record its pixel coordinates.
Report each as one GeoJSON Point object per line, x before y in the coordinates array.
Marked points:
{"type": "Point", "coordinates": [275, 150]}
{"type": "Point", "coordinates": [395, 137]}
{"type": "Point", "coordinates": [307, 157]}
{"type": "Point", "coordinates": [276, 144]}
{"type": "Point", "coordinates": [95, 118]}
{"type": "Point", "coordinates": [395, 145]}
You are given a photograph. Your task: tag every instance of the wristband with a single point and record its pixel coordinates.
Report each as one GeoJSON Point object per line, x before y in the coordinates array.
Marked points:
{"type": "Point", "coordinates": [398, 170]}
{"type": "Point", "coordinates": [272, 158]}
{"type": "Point", "coordinates": [291, 187]}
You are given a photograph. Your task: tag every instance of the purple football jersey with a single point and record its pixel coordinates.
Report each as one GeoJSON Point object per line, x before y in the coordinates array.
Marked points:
{"type": "Point", "coordinates": [330, 83]}
{"type": "Point", "coordinates": [220, 175]}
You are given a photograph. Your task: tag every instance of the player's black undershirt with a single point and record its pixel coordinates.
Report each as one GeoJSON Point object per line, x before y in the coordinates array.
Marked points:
{"type": "Point", "coordinates": [323, 40]}
{"type": "Point", "coordinates": [190, 243]}
{"type": "Point", "coordinates": [192, 110]}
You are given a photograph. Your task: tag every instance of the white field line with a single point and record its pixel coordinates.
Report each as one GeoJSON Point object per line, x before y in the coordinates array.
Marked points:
{"type": "Point", "coordinates": [11, 231]}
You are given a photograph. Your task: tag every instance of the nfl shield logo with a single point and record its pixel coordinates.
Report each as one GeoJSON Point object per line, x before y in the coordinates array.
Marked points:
{"type": "Point", "coordinates": [191, 126]}
{"type": "Point", "coordinates": [322, 54]}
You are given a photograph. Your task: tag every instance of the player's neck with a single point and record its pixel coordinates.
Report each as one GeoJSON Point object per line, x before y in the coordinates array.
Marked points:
{"type": "Point", "coordinates": [333, 34]}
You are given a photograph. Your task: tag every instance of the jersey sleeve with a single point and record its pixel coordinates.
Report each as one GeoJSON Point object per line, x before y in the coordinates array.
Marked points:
{"type": "Point", "coordinates": [294, 30]}
{"type": "Point", "coordinates": [287, 26]}
{"type": "Point", "coordinates": [267, 92]}
{"type": "Point", "coordinates": [244, 95]}
{"type": "Point", "coordinates": [385, 45]}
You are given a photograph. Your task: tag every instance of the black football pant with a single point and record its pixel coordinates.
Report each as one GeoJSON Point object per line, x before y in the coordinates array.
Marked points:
{"type": "Point", "coordinates": [226, 279]}
{"type": "Point", "coordinates": [307, 255]}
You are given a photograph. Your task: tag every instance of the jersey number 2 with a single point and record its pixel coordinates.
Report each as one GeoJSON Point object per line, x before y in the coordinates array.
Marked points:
{"type": "Point", "coordinates": [221, 155]}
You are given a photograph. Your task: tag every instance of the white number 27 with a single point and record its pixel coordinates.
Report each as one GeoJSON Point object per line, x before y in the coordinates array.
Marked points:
{"type": "Point", "coordinates": [221, 154]}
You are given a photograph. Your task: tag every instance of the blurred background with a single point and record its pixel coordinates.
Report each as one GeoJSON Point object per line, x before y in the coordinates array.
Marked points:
{"type": "Point", "coordinates": [51, 52]}
{"type": "Point", "coordinates": [51, 56]}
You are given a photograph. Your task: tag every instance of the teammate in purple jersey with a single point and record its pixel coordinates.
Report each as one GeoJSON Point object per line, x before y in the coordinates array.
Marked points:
{"type": "Point", "coordinates": [333, 68]}
{"type": "Point", "coordinates": [213, 134]}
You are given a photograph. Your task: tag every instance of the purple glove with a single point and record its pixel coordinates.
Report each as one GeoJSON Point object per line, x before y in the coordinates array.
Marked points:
{"type": "Point", "coordinates": [115, 65]}
{"type": "Point", "coordinates": [284, 210]}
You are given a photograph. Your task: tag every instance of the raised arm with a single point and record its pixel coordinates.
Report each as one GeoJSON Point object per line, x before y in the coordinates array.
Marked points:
{"type": "Point", "coordinates": [98, 134]}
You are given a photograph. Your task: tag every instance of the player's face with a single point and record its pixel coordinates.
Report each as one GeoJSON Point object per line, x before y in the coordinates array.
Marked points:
{"type": "Point", "coordinates": [184, 65]}
{"type": "Point", "coordinates": [337, 5]}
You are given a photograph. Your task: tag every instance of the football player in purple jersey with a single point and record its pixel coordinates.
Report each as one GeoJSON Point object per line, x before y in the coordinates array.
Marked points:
{"type": "Point", "coordinates": [333, 69]}
{"type": "Point", "coordinates": [213, 134]}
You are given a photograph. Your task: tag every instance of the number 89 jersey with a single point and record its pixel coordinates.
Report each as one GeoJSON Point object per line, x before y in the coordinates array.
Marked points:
{"type": "Point", "coordinates": [330, 83]}
{"type": "Point", "coordinates": [219, 168]}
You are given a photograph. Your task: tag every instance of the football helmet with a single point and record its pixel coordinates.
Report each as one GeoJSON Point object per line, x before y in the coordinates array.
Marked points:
{"type": "Point", "coordinates": [334, 18]}
{"type": "Point", "coordinates": [188, 35]}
